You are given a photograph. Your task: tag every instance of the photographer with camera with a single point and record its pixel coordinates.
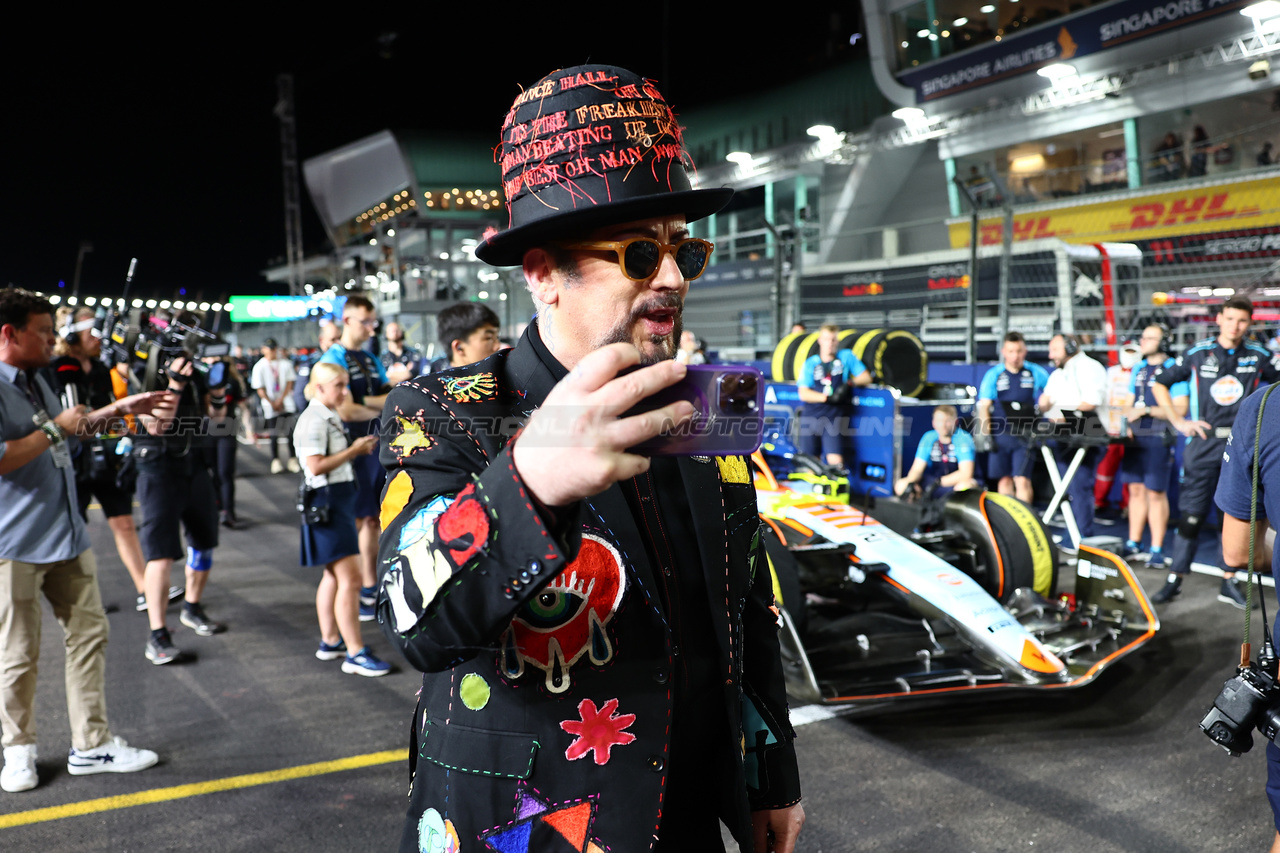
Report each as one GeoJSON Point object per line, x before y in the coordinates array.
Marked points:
{"type": "Point", "coordinates": [78, 375]}
{"type": "Point", "coordinates": [44, 549]}
{"type": "Point", "coordinates": [174, 489]}
{"type": "Point", "coordinates": [225, 401]}
{"type": "Point", "coordinates": [826, 388]}
{"type": "Point", "coordinates": [1237, 500]}
{"type": "Point", "coordinates": [327, 502]}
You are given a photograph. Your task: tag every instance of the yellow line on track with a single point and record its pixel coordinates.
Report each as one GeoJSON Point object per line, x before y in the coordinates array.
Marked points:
{"type": "Point", "coordinates": [213, 786]}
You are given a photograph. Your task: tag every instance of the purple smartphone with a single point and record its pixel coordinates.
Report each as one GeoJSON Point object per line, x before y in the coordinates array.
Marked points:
{"type": "Point", "coordinates": [728, 413]}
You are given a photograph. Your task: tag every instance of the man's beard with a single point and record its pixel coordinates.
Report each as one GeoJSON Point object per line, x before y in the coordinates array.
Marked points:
{"type": "Point", "coordinates": [664, 344]}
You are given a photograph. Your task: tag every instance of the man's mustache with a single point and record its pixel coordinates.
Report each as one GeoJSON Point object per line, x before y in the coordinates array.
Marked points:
{"type": "Point", "coordinates": [667, 301]}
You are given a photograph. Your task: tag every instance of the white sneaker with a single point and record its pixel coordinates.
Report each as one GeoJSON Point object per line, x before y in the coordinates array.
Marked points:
{"type": "Point", "coordinates": [276, 466]}
{"type": "Point", "coordinates": [293, 466]}
{"type": "Point", "coordinates": [114, 756]}
{"type": "Point", "coordinates": [19, 772]}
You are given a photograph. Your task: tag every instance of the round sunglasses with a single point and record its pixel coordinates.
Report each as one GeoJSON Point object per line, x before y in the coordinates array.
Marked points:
{"type": "Point", "coordinates": [640, 257]}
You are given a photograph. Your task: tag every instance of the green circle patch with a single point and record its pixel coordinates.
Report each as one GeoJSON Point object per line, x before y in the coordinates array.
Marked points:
{"type": "Point", "coordinates": [474, 691]}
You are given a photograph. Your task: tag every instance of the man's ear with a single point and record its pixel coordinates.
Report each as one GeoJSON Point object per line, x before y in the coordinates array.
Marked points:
{"type": "Point", "coordinates": [540, 272]}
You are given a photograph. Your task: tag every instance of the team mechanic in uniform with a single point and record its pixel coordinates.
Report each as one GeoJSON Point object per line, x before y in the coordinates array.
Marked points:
{"type": "Point", "coordinates": [1220, 372]}
{"type": "Point", "coordinates": [1006, 412]}
{"type": "Point", "coordinates": [598, 629]}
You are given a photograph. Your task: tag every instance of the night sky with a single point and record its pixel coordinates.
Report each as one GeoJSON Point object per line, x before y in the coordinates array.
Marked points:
{"type": "Point", "coordinates": [157, 140]}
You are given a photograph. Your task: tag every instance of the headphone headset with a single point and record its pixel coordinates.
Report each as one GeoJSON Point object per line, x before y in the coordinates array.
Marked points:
{"type": "Point", "coordinates": [70, 333]}
{"type": "Point", "coordinates": [1166, 336]}
{"type": "Point", "coordinates": [1070, 345]}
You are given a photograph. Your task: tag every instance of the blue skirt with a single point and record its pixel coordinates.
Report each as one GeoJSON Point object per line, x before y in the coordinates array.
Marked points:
{"type": "Point", "coordinates": [326, 543]}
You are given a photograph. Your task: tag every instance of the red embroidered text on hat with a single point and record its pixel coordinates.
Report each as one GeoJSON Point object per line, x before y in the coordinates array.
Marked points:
{"type": "Point", "coordinates": [590, 146]}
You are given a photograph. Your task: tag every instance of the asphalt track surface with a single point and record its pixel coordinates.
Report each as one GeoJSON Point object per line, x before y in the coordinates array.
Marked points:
{"type": "Point", "coordinates": [262, 747]}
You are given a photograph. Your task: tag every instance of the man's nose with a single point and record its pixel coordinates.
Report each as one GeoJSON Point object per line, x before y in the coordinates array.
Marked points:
{"type": "Point", "coordinates": [668, 276]}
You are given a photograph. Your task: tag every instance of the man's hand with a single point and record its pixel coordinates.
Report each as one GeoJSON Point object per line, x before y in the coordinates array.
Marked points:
{"type": "Point", "coordinates": [71, 420]}
{"type": "Point", "coordinates": [575, 445]}
{"type": "Point", "coordinates": [1045, 402]}
{"type": "Point", "coordinates": [1189, 428]}
{"type": "Point", "coordinates": [146, 404]}
{"type": "Point", "coordinates": [365, 444]}
{"type": "Point", "coordinates": [398, 373]}
{"type": "Point", "coordinates": [179, 367]}
{"type": "Point", "coordinates": [777, 829]}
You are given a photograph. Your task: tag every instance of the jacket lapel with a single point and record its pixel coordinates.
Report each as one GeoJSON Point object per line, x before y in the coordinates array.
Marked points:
{"type": "Point", "coordinates": [703, 488]}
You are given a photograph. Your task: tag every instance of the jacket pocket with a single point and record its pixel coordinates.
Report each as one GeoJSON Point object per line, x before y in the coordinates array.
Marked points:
{"type": "Point", "coordinates": [508, 755]}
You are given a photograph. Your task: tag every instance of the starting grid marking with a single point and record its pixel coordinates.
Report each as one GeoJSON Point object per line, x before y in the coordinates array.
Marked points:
{"type": "Point", "coordinates": [801, 716]}
{"type": "Point", "coordinates": [213, 786]}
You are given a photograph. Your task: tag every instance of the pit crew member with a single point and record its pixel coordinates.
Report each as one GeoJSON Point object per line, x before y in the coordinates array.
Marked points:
{"type": "Point", "coordinates": [1220, 372]}
{"type": "Point", "coordinates": [1006, 412]}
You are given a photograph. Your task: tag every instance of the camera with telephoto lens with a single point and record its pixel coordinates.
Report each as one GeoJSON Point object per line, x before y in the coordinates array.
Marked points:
{"type": "Point", "coordinates": [1249, 700]}
{"type": "Point", "coordinates": [149, 345]}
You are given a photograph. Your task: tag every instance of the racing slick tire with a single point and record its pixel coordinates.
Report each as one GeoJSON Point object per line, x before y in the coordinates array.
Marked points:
{"type": "Point", "coordinates": [1013, 545]}
{"type": "Point", "coordinates": [895, 358]}
{"type": "Point", "coordinates": [794, 350]}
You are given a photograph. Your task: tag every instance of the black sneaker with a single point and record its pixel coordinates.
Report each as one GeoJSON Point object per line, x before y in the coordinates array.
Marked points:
{"type": "Point", "coordinates": [193, 617]}
{"type": "Point", "coordinates": [175, 592]}
{"type": "Point", "coordinates": [161, 650]}
{"type": "Point", "coordinates": [1230, 593]}
{"type": "Point", "coordinates": [1171, 589]}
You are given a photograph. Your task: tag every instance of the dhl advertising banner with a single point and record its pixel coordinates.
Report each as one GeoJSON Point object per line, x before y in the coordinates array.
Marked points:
{"type": "Point", "coordinates": [1233, 207]}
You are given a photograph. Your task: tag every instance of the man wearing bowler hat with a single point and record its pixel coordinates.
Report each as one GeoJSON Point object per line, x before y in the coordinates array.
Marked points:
{"type": "Point", "coordinates": [597, 629]}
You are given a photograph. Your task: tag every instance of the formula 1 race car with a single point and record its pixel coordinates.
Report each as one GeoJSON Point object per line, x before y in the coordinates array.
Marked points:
{"type": "Point", "coordinates": [924, 603]}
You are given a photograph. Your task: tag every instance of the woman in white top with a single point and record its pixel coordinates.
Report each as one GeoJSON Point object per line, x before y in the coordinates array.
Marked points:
{"type": "Point", "coordinates": [326, 462]}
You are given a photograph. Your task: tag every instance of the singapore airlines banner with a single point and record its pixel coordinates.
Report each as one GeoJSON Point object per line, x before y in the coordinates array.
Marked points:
{"type": "Point", "coordinates": [1088, 32]}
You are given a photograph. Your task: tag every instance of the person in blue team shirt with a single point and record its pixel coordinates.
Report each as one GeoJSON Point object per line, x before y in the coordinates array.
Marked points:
{"type": "Point", "coordinates": [1221, 372]}
{"type": "Point", "coordinates": [1148, 461]}
{"type": "Point", "coordinates": [825, 387]}
{"type": "Point", "coordinates": [1006, 411]}
{"type": "Point", "coordinates": [360, 414]}
{"type": "Point", "coordinates": [945, 458]}
{"type": "Point", "coordinates": [1233, 496]}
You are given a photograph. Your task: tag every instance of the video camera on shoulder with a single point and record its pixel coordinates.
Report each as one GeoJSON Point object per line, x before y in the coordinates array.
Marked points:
{"type": "Point", "coordinates": [150, 344]}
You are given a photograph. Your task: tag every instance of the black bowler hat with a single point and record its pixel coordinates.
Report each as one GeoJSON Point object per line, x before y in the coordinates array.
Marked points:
{"type": "Point", "coordinates": [586, 147]}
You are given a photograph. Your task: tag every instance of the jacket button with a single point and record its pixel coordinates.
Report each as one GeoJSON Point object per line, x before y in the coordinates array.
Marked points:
{"type": "Point", "coordinates": [534, 567]}
{"type": "Point", "coordinates": [660, 675]}
{"type": "Point", "coordinates": [656, 763]}
{"type": "Point", "coordinates": [515, 583]}
{"type": "Point", "coordinates": [666, 570]}
{"type": "Point", "coordinates": [524, 576]}
{"type": "Point", "coordinates": [506, 591]}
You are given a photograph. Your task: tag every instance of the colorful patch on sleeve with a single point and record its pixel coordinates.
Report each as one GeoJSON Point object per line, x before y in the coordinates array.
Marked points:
{"type": "Point", "coordinates": [567, 619]}
{"type": "Point", "coordinates": [474, 691]}
{"type": "Point", "coordinates": [397, 496]}
{"type": "Point", "coordinates": [410, 440]}
{"type": "Point", "coordinates": [733, 469]}
{"type": "Point", "coordinates": [426, 563]}
{"type": "Point", "coordinates": [474, 388]}
{"type": "Point", "coordinates": [542, 825]}
{"type": "Point", "coordinates": [437, 835]}
{"type": "Point", "coordinates": [463, 528]}
{"type": "Point", "coordinates": [598, 731]}
{"type": "Point", "coordinates": [756, 737]}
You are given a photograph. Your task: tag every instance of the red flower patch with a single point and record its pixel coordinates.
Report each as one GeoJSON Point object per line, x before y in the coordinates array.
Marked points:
{"type": "Point", "coordinates": [463, 528]}
{"type": "Point", "coordinates": [599, 730]}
